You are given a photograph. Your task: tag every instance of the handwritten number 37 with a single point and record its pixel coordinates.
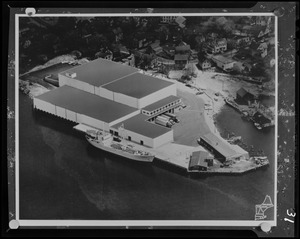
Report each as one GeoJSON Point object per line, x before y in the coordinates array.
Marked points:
{"type": "Point", "coordinates": [291, 215]}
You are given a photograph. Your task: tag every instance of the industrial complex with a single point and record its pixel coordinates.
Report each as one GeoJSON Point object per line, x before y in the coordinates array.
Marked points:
{"type": "Point", "coordinates": [104, 94]}
{"type": "Point", "coordinates": [125, 103]}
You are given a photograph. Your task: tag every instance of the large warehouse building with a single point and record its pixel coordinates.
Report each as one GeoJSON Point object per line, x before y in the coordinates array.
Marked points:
{"type": "Point", "coordinates": [82, 107]}
{"type": "Point", "coordinates": [117, 82]}
{"type": "Point", "coordinates": [113, 97]}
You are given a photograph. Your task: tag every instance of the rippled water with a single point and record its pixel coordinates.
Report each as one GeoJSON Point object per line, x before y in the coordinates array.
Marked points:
{"type": "Point", "coordinates": [63, 177]}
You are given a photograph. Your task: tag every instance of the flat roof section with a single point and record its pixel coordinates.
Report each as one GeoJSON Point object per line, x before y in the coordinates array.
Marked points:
{"type": "Point", "coordinates": [137, 85]}
{"type": "Point", "coordinates": [161, 103]}
{"type": "Point", "coordinates": [139, 124]}
{"type": "Point", "coordinates": [101, 71]}
{"type": "Point", "coordinates": [219, 144]}
{"type": "Point", "coordinates": [86, 103]}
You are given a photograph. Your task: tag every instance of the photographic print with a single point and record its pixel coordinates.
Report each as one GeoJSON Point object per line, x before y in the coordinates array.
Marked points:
{"type": "Point", "coordinates": [160, 119]}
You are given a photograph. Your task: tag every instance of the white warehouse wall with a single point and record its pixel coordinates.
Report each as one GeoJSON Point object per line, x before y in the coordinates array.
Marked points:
{"type": "Point", "coordinates": [105, 93]}
{"type": "Point", "coordinates": [138, 137]}
{"type": "Point", "coordinates": [163, 139]}
{"type": "Point", "coordinates": [158, 95]}
{"type": "Point", "coordinates": [125, 99]}
{"type": "Point", "coordinates": [61, 112]}
{"type": "Point", "coordinates": [71, 116]}
{"type": "Point", "coordinates": [92, 122]}
{"type": "Point", "coordinates": [44, 106]}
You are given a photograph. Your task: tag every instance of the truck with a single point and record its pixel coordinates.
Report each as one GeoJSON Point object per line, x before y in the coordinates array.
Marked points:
{"type": "Point", "coordinates": [168, 118]}
{"type": "Point", "coordinates": [173, 117]}
{"type": "Point", "coordinates": [163, 122]}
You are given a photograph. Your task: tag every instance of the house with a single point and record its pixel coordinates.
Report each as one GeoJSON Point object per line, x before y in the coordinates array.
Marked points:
{"type": "Point", "coordinates": [183, 49]}
{"type": "Point", "coordinates": [199, 161]}
{"type": "Point", "coordinates": [204, 63]}
{"type": "Point", "coordinates": [243, 96]}
{"type": "Point", "coordinates": [239, 41]}
{"type": "Point", "coordinates": [224, 63]}
{"type": "Point", "coordinates": [180, 21]}
{"type": "Point", "coordinates": [108, 55]}
{"type": "Point", "coordinates": [168, 19]}
{"type": "Point", "coordinates": [118, 34]}
{"type": "Point", "coordinates": [156, 47]}
{"type": "Point", "coordinates": [181, 60]}
{"type": "Point", "coordinates": [169, 50]}
{"type": "Point", "coordinates": [216, 46]}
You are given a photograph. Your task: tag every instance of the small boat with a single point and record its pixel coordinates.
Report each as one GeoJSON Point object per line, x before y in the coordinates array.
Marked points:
{"type": "Point", "coordinates": [106, 142]}
{"type": "Point", "coordinates": [257, 126]}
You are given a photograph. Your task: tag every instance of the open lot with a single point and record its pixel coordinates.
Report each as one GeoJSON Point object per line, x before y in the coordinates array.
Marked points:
{"type": "Point", "coordinates": [192, 122]}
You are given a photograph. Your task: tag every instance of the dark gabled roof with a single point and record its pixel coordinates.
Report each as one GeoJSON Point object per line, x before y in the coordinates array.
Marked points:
{"type": "Point", "coordinates": [181, 57]}
{"type": "Point", "coordinates": [242, 92]}
{"type": "Point", "coordinates": [202, 58]}
{"type": "Point", "coordinates": [198, 158]}
{"type": "Point", "coordinates": [183, 48]}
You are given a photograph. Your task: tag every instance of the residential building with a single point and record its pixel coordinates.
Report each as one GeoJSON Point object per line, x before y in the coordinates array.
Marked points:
{"type": "Point", "coordinates": [181, 61]}
{"type": "Point", "coordinates": [168, 19]}
{"type": "Point", "coordinates": [224, 63]}
{"type": "Point", "coordinates": [204, 63]}
{"type": "Point", "coordinates": [216, 46]}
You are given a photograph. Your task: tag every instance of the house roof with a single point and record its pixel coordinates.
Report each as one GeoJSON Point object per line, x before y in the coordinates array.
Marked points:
{"type": "Point", "coordinates": [161, 103]}
{"type": "Point", "coordinates": [139, 124]}
{"type": "Point", "coordinates": [100, 71]}
{"type": "Point", "coordinates": [179, 57]}
{"type": "Point", "coordinates": [222, 59]}
{"type": "Point", "coordinates": [85, 103]}
{"type": "Point", "coordinates": [137, 85]}
{"type": "Point", "coordinates": [183, 48]}
{"type": "Point", "coordinates": [242, 92]}
{"type": "Point", "coordinates": [198, 158]}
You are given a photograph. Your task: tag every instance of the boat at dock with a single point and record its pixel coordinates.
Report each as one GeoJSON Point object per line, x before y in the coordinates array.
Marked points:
{"type": "Point", "coordinates": [107, 142]}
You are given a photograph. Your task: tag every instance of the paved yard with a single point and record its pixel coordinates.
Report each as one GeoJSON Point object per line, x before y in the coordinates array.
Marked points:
{"type": "Point", "coordinates": [192, 123]}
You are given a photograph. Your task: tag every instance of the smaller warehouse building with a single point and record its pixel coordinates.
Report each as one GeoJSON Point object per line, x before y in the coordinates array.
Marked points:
{"type": "Point", "coordinates": [221, 149]}
{"type": "Point", "coordinates": [200, 161]}
{"type": "Point", "coordinates": [167, 104]}
{"type": "Point", "coordinates": [139, 130]}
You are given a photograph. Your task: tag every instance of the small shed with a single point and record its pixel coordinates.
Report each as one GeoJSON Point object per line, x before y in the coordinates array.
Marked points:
{"type": "Point", "coordinates": [243, 96]}
{"type": "Point", "coordinates": [199, 161]}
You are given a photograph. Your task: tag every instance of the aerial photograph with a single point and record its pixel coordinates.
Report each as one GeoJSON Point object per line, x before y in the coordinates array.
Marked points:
{"type": "Point", "coordinates": [147, 117]}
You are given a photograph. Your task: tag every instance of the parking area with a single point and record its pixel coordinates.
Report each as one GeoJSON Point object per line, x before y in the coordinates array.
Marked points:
{"type": "Point", "coordinates": [192, 122]}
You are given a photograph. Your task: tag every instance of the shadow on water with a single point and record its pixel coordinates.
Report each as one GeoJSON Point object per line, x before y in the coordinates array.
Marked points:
{"type": "Point", "coordinates": [66, 127]}
{"type": "Point", "coordinates": [118, 161]}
